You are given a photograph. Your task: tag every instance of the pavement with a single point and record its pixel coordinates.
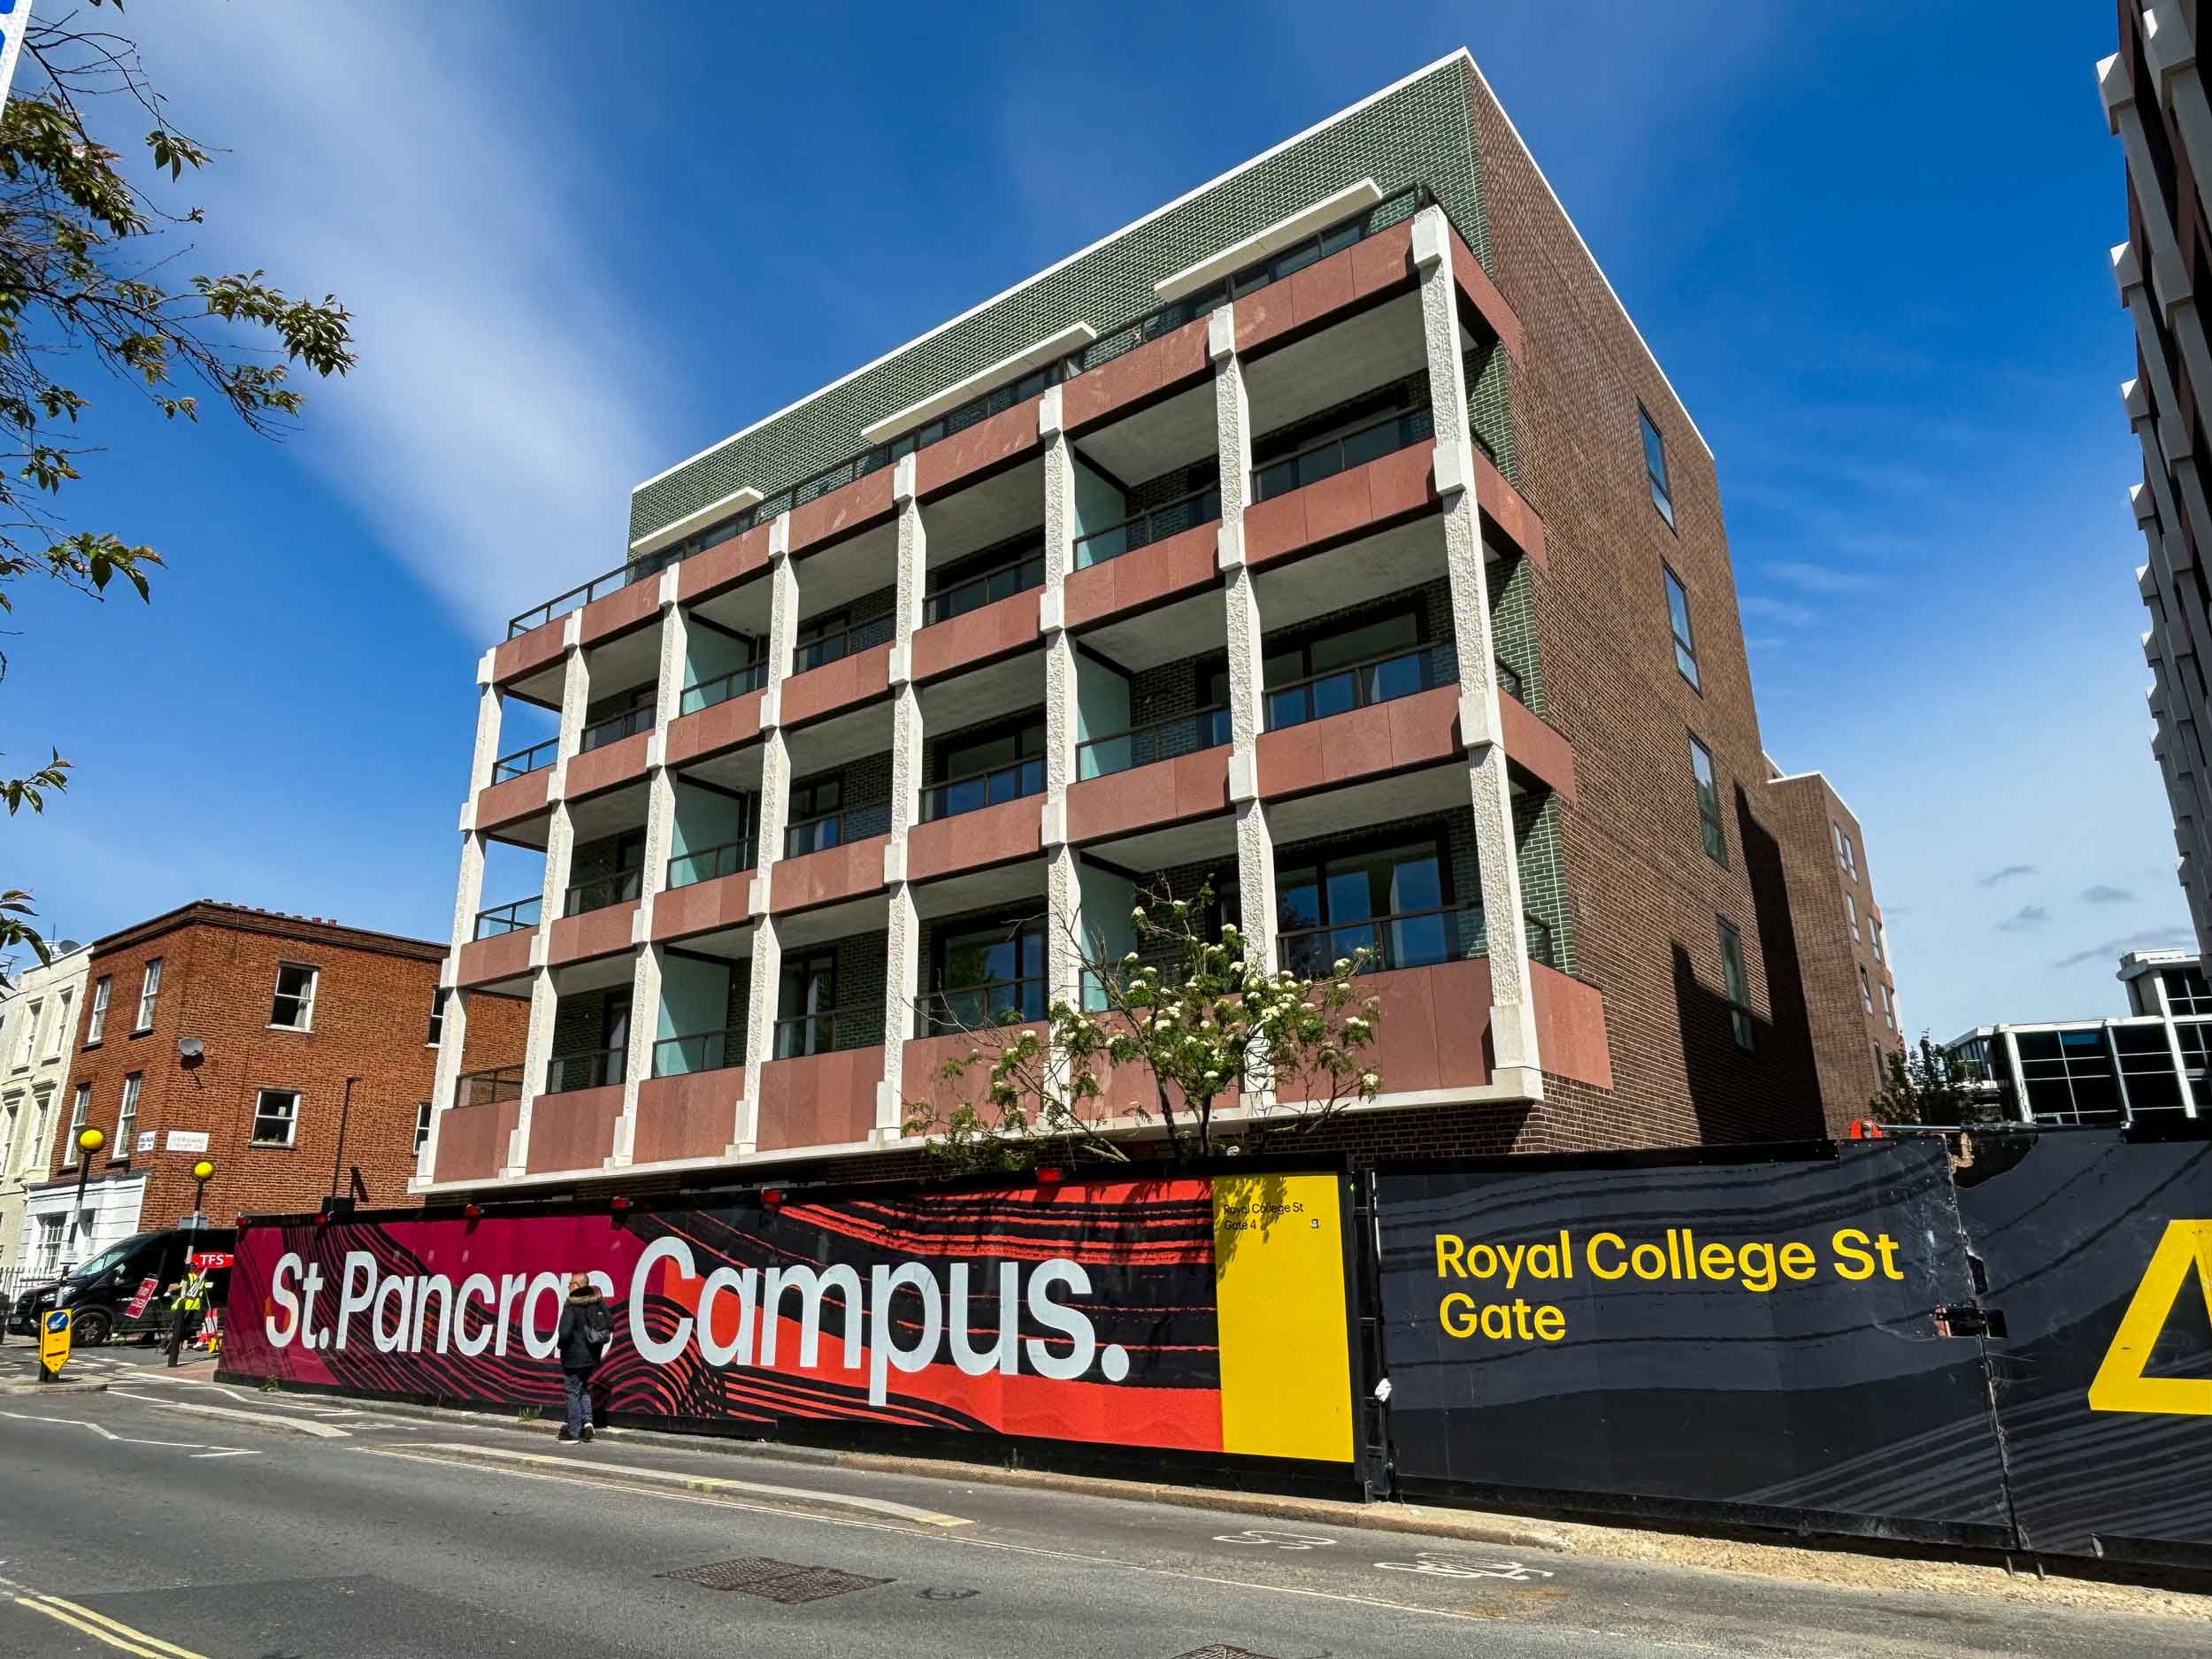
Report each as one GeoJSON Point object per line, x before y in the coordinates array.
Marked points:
{"type": "Point", "coordinates": [173, 1517]}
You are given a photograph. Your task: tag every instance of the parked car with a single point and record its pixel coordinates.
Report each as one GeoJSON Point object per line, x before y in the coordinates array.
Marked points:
{"type": "Point", "coordinates": [101, 1291]}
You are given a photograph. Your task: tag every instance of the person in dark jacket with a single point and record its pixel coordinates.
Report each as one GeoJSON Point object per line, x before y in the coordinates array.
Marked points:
{"type": "Point", "coordinates": [586, 1329]}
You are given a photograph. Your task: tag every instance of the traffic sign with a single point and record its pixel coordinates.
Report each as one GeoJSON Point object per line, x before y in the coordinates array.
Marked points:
{"type": "Point", "coordinates": [53, 1340]}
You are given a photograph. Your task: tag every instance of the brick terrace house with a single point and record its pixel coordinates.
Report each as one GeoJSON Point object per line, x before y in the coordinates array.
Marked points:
{"type": "Point", "coordinates": [1329, 536]}
{"type": "Point", "coordinates": [221, 1032]}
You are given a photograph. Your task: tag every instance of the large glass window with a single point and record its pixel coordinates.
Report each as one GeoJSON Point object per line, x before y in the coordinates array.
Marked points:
{"type": "Point", "coordinates": [1389, 900]}
{"type": "Point", "coordinates": [1737, 983]}
{"type": "Point", "coordinates": [986, 768]}
{"type": "Point", "coordinates": [2186, 992]}
{"type": "Point", "coordinates": [1708, 802]}
{"type": "Point", "coordinates": [987, 975]}
{"type": "Point", "coordinates": [276, 1117]}
{"type": "Point", "coordinates": [1342, 669]}
{"type": "Point", "coordinates": [1656, 466]}
{"type": "Point", "coordinates": [815, 806]}
{"type": "Point", "coordinates": [1679, 621]}
{"type": "Point", "coordinates": [805, 997]}
{"type": "Point", "coordinates": [294, 1006]}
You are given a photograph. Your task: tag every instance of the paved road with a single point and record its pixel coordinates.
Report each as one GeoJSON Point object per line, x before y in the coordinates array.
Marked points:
{"type": "Point", "coordinates": [136, 1525]}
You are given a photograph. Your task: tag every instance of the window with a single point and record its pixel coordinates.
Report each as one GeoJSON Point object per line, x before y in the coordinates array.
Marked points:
{"type": "Point", "coordinates": [294, 1006]}
{"type": "Point", "coordinates": [79, 1111]}
{"type": "Point", "coordinates": [1889, 1007]}
{"type": "Point", "coordinates": [59, 1037]}
{"type": "Point", "coordinates": [27, 1035]}
{"type": "Point", "coordinates": [1392, 900]}
{"type": "Point", "coordinates": [149, 988]}
{"type": "Point", "coordinates": [1847, 855]}
{"type": "Point", "coordinates": [49, 1245]}
{"type": "Point", "coordinates": [437, 1018]}
{"type": "Point", "coordinates": [1881, 1067]}
{"type": "Point", "coordinates": [1851, 909]}
{"type": "Point", "coordinates": [1708, 802]}
{"type": "Point", "coordinates": [1866, 991]}
{"type": "Point", "coordinates": [1738, 986]}
{"type": "Point", "coordinates": [276, 1114]}
{"type": "Point", "coordinates": [1656, 466]}
{"type": "Point", "coordinates": [1874, 935]}
{"type": "Point", "coordinates": [806, 1002]}
{"type": "Point", "coordinates": [1311, 677]}
{"type": "Point", "coordinates": [1679, 621]}
{"type": "Point", "coordinates": [126, 1118]}
{"type": "Point", "coordinates": [987, 976]}
{"type": "Point", "coordinates": [422, 1124]}
{"type": "Point", "coordinates": [96, 1021]}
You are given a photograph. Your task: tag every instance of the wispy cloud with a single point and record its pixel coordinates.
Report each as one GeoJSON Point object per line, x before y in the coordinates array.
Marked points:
{"type": "Point", "coordinates": [2149, 939]}
{"type": "Point", "coordinates": [2104, 894]}
{"type": "Point", "coordinates": [2005, 874]}
{"type": "Point", "coordinates": [493, 429]}
{"type": "Point", "coordinates": [1819, 579]}
{"type": "Point", "coordinates": [1786, 611]}
{"type": "Point", "coordinates": [2026, 917]}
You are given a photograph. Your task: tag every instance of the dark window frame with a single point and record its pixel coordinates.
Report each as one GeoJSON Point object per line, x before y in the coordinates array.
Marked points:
{"type": "Point", "coordinates": [1657, 474]}
{"type": "Point", "coordinates": [1686, 662]}
{"type": "Point", "coordinates": [1712, 827]}
{"type": "Point", "coordinates": [1735, 972]}
{"type": "Point", "coordinates": [1439, 835]}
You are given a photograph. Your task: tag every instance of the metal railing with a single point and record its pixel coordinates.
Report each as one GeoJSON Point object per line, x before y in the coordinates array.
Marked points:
{"type": "Point", "coordinates": [488, 1086]}
{"type": "Point", "coordinates": [1155, 740]}
{"type": "Point", "coordinates": [1109, 344]}
{"type": "Point", "coordinates": [1402, 674]}
{"type": "Point", "coordinates": [508, 918]}
{"type": "Point", "coordinates": [601, 1068]}
{"type": "Point", "coordinates": [802, 1035]}
{"type": "Point", "coordinates": [722, 687]}
{"type": "Point", "coordinates": [703, 1052]}
{"type": "Point", "coordinates": [526, 761]}
{"type": "Point", "coordinates": [710, 864]}
{"type": "Point", "coordinates": [1184, 512]}
{"type": "Point", "coordinates": [832, 646]}
{"type": "Point", "coordinates": [975, 1007]}
{"type": "Point", "coordinates": [596, 893]}
{"type": "Point", "coordinates": [973, 791]}
{"type": "Point", "coordinates": [613, 729]}
{"type": "Point", "coordinates": [1003, 581]}
{"type": "Point", "coordinates": [1407, 939]}
{"type": "Point", "coordinates": [1346, 451]}
{"type": "Point", "coordinates": [834, 829]}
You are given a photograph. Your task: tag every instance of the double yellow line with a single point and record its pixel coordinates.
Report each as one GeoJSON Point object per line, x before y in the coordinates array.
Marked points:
{"type": "Point", "coordinates": [113, 1631]}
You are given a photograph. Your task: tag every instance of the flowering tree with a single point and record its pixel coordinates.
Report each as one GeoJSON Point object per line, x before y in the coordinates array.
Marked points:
{"type": "Point", "coordinates": [1187, 1026]}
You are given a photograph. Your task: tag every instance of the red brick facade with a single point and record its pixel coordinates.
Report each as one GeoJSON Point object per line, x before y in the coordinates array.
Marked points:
{"type": "Point", "coordinates": [370, 1020]}
{"type": "Point", "coordinates": [1646, 897]}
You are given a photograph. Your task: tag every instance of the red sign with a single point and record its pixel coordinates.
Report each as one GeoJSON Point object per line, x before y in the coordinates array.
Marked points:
{"type": "Point", "coordinates": [143, 1294]}
{"type": "Point", "coordinates": [208, 1261]}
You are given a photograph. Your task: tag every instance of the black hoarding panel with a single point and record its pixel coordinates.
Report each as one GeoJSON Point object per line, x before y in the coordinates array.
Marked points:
{"type": "Point", "coordinates": [2099, 1258]}
{"type": "Point", "coordinates": [1756, 1335]}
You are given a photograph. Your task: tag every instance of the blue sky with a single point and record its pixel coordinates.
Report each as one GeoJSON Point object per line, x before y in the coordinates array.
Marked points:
{"type": "Point", "coordinates": [1869, 245]}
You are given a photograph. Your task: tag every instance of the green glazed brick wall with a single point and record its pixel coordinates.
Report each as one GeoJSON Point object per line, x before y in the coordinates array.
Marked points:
{"type": "Point", "coordinates": [1421, 134]}
{"type": "Point", "coordinates": [1513, 627]}
{"type": "Point", "coordinates": [1544, 872]}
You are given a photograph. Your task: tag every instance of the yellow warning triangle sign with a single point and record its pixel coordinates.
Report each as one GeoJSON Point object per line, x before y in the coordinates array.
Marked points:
{"type": "Point", "coordinates": [2120, 1384]}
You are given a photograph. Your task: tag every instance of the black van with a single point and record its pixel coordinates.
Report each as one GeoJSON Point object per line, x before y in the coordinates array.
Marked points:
{"type": "Point", "coordinates": [101, 1291]}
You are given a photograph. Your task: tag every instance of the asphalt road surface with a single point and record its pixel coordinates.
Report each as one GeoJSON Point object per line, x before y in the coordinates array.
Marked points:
{"type": "Point", "coordinates": [167, 1519]}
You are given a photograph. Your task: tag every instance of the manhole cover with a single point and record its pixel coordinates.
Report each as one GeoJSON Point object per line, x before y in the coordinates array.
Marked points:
{"type": "Point", "coordinates": [782, 1582]}
{"type": "Point", "coordinates": [1220, 1650]}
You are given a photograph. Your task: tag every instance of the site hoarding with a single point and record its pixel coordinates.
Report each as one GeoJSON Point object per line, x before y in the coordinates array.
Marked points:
{"type": "Point", "coordinates": [1204, 1315]}
{"type": "Point", "coordinates": [1754, 1334]}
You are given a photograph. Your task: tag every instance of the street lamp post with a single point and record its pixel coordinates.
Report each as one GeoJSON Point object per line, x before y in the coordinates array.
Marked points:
{"type": "Point", "coordinates": [179, 1315]}
{"type": "Point", "coordinates": [201, 1171]}
{"type": "Point", "coordinates": [88, 1142]}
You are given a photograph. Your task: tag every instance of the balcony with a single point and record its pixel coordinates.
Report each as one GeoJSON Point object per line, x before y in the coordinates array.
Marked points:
{"type": "Point", "coordinates": [598, 919]}
{"type": "Point", "coordinates": [602, 733]}
{"type": "Point", "coordinates": [508, 918]}
{"type": "Point", "coordinates": [710, 864]}
{"type": "Point", "coordinates": [707, 692]}
{"type": "Point", "coordinates": [1171, 519]}
{"type": "Point", "coordinates": [990, 786]}
{"type": "Point", "coordinates": [573, 1123]}
{"type": "Point", "coordinates": [1154, 740]}
{"type": "Point", "coordinates": [523, 762]}
{"type": "Point", "coordinates": [703, 1052]}
{"type": "Point", "coordinates": [1384, 679]}
{"type": "Point", "coordinates": [1409, 939]}
{"type": "Point", "coordinates": [979, 1007]}
{"type": "Point", "coordinates": [597, 893]}
{"type": "Point", "coordinates": [488, 1087]}
{"type": "Point", "coordinates": [596, 1068]}
{"type": "Point", "coordinates": [1002, 581]}
{"type": "Point", "coordinates": [1340, 454]}
{"type": "Point", "coordinates": [836, 829]}
{"type": "Point", "coordinates": [832, 647]}
{"type": "Point", "coordinates": [474, 1141]}
{"type": "Point", "coordinates": [838, 669]}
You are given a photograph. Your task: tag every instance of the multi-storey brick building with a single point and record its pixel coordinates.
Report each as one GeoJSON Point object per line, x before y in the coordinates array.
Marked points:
{"type": "Point", "coordinates": [38, 1022]}
{"type": "Point", "coordinates": [1843, 961]}
{"type": "Point", "coordinates": [1329, 537]}
{"type": "Point", "coordinates": [295, 1055]}
{"type": "Point", "coordinates": [2155, 103]}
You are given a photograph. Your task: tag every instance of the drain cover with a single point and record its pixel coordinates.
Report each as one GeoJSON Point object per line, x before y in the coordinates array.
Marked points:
{"type": "Point", "coordinates": [782, 1581]}
{"type": "Point", "coordinates": [1220, 1650]}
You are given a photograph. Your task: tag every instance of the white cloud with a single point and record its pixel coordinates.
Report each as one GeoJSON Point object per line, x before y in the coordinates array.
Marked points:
{"type": "Point", "coordinates": [499, 414]}
{"type": "Point", "coordinates": [1819, 579]}
{"type": "Point", "coordinates": [1788, 612]}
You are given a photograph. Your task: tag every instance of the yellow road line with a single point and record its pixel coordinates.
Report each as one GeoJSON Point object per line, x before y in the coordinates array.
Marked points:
{"type": "Point", "coordinates": [120, 1628]}
{"type": "Point", "coordinates": [94, 1630]}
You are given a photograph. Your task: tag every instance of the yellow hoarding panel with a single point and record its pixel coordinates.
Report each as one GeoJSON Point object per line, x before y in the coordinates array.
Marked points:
{"type": "Point", "coordinates": [1279, 1287]}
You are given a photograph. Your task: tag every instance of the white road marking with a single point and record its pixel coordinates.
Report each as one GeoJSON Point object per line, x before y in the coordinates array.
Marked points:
{"type": "Point", "coordinates": [964, 1539]}
{"type": "Point", "coordinates": [1457, 1567]}
{"type": "Point", "coordinates": [297, 1426]}
{"type": "Point", "coordinates": [231, 1451]}
{"type": "Point", "coordinates": [1274, 1540]}
{"type": "Point", "coordinates": [282, 1402]}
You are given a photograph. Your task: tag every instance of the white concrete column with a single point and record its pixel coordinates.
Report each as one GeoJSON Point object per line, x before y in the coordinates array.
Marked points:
{"type": "Point", "coordinates": [775, 814]}
{"type": "Point", "coordinates": [901, 966]}
{"type": "Point", "coordinates": [2172, 56]}
{"type": "Point", "coordinates": [1064, 926]}
{"type": "Point", "coordinates": [1243, 630]}
{"type": "Point", "coordinates": [537, 1050]}
{"type": "Point", "coordinates": [2173, 434]}
{"type": "Point", "coordinates": [1512, 1013]}
{"type": "Point", "coordinates": [453, 1034]}
{"type": "Point", "coordinates": [2168, 276]}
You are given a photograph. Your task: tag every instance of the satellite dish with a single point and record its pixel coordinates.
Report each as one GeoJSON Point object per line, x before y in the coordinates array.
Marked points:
{"type": "Point", "coordinates": [189, 1047]}
{"type": "Point", "coordinates": [64, 947]}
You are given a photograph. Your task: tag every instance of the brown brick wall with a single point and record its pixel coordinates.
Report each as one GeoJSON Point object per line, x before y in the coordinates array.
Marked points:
{"type": "Point", "coordinates": [371, 1013]}
{"type": "Point", "coordinates": [1643, 896]}
{"type": "Point", "coordinates": [1805, 813]}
